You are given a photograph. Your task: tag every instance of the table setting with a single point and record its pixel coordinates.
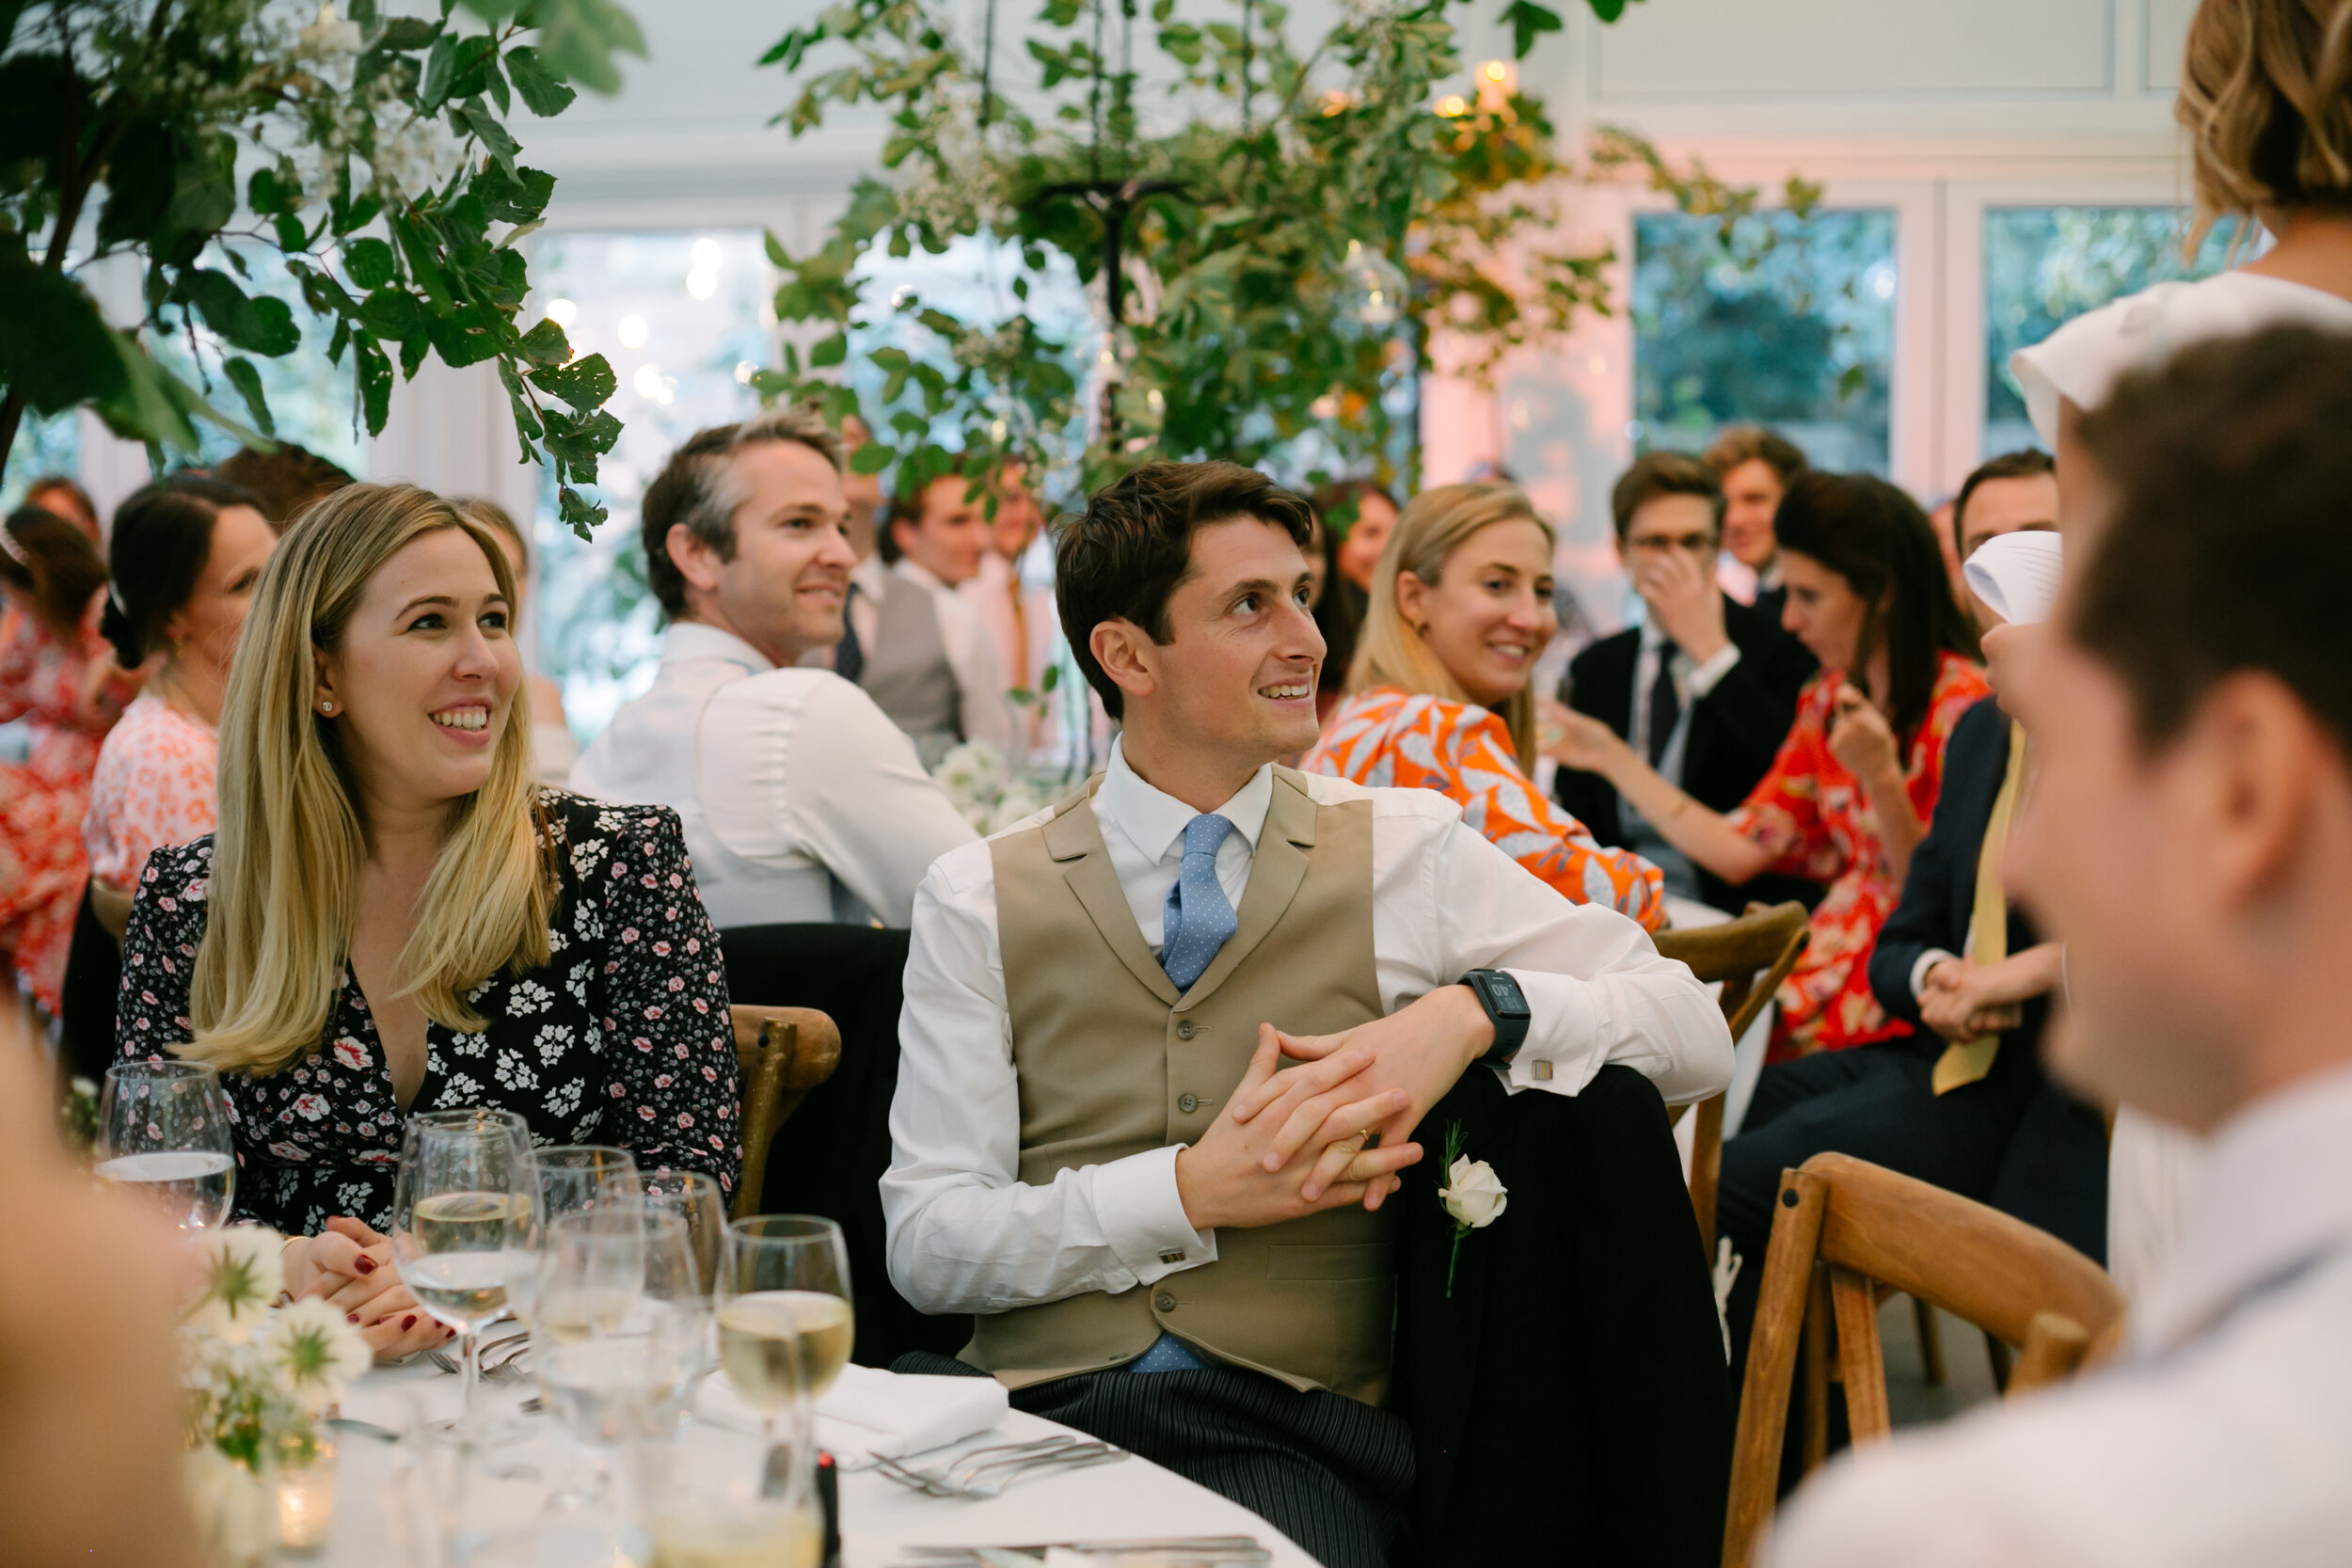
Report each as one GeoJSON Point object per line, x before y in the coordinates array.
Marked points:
{"type": "Point", "coordinates": [634, 1381]}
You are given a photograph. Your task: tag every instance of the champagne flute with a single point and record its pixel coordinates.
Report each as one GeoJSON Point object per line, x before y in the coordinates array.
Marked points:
{"type": "Point", "coordinates": [784, 1319]}
{"type": "Point", "coordinates": [466, 1207]}
{"type": "Point", "coordinates": [163, 1130]}
{"type": "Point", "coordinates": [571, 1177]}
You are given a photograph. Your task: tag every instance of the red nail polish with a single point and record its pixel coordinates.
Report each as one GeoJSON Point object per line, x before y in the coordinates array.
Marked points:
{"type": "Point", "coordinates": [351, 1317]}
{"type": "Point", "coordinates": [409, 1322]}
{"type": "Point", "coordinates": [364, 1263]}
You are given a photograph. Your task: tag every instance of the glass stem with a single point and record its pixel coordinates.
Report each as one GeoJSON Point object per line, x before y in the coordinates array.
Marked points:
{"type": "Point", "coordinates": [471, 1354]}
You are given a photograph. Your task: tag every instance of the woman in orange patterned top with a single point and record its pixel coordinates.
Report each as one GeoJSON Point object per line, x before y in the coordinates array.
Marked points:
{"type": "Point", "coordinates": [1850, 795]}
{"type": "Point", "coordinates": [1460, 611]}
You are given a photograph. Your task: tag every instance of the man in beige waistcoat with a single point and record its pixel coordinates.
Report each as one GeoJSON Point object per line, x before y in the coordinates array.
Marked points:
{"type": "Point", "coordinates": [1170, 1232]}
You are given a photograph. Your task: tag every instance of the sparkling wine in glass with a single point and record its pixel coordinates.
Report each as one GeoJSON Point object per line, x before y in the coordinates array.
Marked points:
{"type": "Point", "coordinates": [163, 1130]}
{"type": "Point", "coordinates": [465, 1209]}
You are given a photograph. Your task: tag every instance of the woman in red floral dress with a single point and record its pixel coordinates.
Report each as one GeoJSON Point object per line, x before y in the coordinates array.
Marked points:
{"type": "Point", "coordinates": [54, 670]}
{"type": "Point", "coordinates": [1850, 795]}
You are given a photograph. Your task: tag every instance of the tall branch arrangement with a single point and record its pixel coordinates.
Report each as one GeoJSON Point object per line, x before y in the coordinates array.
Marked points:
{"type": "Point", "coordinates": [373, 151]}
{"type": "Point", "coordinates": [1271, 271]}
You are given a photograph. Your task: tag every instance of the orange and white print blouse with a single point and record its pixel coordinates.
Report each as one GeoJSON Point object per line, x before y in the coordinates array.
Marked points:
{"type": "Point", "coordinates": [154, 786]}
{"type": "Point", "coordinates": [1388, 737]}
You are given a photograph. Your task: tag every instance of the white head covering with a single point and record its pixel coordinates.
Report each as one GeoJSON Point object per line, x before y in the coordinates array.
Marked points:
{"type": "Point", "coordinates": [2016, 575]}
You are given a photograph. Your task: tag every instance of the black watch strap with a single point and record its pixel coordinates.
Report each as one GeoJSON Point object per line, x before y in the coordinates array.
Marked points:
{"type": "Point", "coordinates": [1506, 1010]}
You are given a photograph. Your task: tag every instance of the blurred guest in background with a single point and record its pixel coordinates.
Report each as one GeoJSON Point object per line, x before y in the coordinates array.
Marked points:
{"type": "Point", "coordinates": [927, 658]}
{"type": "Point", "coordinates": [1705, 687]}
{"type": "Point", "coordinates": [1019, 614]}
{"type": "Point", "coordinates": [1850, 795]}
{"type": "Point", "coordinates": [861, 493]}
{"type": "Point", "coordinates": [2014, 493]}
{"type": "Point", "coordinates": [552, 741]}
{"type": "Point", "coordinates": [284, 481]}
{"type": "Point", "coordinates": [2191, 836]}
{"type": "Point", "coordinates": [392, 917]}
{"type": "Point", "coordinates": [188, 553]}
{"type": "Point", "coordinates": [55, 670]}
{"type": "Point", "coordinates": [57, 493]}
{"type": "Point", "coordinates": [1755, 466]}
{"type": "Point", "coordinates": [1461, 610]}
{"type": "Point", "coordinates": [801, 799]}
{"type": "Point", "coordinates": [1354, 518]}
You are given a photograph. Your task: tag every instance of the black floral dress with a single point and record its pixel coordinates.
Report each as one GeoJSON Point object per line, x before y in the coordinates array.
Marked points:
{"type": "Point", "coordinates": [623, 1037]}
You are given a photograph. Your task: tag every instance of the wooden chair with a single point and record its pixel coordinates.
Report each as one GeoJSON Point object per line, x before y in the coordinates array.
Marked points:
{"type": "Point", "coordinates": [1751, 956]}
{"type": "Point", "coordinates": [1843, 1229]}
{"type": "Point", "coordinates": [781, 1054]}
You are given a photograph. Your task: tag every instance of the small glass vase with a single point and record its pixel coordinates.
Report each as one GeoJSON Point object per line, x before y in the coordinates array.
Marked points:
{"type": "Point", "coordinates": [235, 1509]}
{"type": "Point", "coordinates": [305, 1493]}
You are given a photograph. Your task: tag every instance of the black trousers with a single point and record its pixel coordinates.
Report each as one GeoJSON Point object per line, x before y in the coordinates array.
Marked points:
{"type": "Point", "coordinates": [1330, 1472]}
{"type": "Point", "coordinates": [2013, 1139]}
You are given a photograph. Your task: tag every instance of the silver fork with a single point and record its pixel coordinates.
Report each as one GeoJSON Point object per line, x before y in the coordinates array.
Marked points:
{"type": "Point", "coordinates": [500, 1360]}
{"type": "Point", "coordinates": [1000, 1466]}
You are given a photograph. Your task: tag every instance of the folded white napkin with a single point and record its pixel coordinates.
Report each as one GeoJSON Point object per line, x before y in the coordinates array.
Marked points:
{"type": "Point", "coordinates": [2016, 575]}
{"type": "Point", "coordinates": [870, 1410]}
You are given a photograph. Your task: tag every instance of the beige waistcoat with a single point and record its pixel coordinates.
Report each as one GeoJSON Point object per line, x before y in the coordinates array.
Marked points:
{"type": "Point", "coordinates": [1113, 1061]}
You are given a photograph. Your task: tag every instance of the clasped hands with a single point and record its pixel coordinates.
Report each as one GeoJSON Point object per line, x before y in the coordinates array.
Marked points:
{"type": "Point", "coordinates": [1334, 1130]}
{"type": "Point", "coordinates": [349, 1265]}
{"type": "Point", "coordinates": [1956, 1001]}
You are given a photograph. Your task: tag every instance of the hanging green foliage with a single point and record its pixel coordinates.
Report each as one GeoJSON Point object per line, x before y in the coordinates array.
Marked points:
{"type": "Point", "coordinates": [1277, 266]}
{"type": "Point", "coordinates": [373, 150]}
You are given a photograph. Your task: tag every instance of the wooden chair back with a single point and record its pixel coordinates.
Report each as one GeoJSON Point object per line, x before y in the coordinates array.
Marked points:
{"type": "Point", "coordinates": [781, 1054]}
{"type": "Point", "coordinates": [1844, 1228]}
{"type": "Point", "coordinates": [1751, 956]}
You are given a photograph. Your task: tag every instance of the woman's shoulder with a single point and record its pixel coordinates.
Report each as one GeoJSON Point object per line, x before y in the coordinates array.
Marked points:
{"type": "Point", "coordinates": [1394, 717]}
{"type": "Point", "coordinates": [589, 831]}
{"type": "Point", "coordinates": [150, 727]}
{"type": "Point", "coordinates": [2082, 361]}
{"type": "Point", "coordinates": [1959, 685]}
{"type": "Point", "coordinates": [177, 875]}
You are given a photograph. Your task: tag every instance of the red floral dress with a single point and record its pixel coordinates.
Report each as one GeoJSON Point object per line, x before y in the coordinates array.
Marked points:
{"type": "Point", "coordinates": [42, 799]}
{"type": "Point", "coordinates": [1388, 737]}
{"type": "Point", "coordinates": [1809, 812]}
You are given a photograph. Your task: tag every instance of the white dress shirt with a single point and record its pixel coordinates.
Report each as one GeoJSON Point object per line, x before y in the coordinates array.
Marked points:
{"type": "Point", "coordinates": [787, 782]}
{"type": "Point", "coordinates": [971, 648]}
{"type": "Point", "coordinates": [2223, 1438]}
{"type": "Point", "coordinates": [966, 1235]}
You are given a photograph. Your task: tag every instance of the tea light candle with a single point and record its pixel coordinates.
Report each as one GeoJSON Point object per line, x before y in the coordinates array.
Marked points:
{"type": "Point", "coordinates": [306, 1501]}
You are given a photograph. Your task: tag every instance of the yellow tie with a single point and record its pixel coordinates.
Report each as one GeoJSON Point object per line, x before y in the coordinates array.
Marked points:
{"type": "Point", "coordinates": [1965, 1061]}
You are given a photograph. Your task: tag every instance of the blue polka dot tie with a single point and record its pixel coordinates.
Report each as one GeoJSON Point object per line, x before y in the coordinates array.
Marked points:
{"type": "Point", "coordinates": [1200, 916]}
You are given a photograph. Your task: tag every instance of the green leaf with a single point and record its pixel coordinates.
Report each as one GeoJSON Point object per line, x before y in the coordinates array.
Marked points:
{"type": "Point", "coordinates": [373, 371]}
{"type": "Point", "coordinates": [518, 196]}
{"type": "Point", "coordinates": [577, 512]}
{"type": "Point", "coordinates": [545, 345]}
{"type": "Point", "coordinates": [476, 120]}
{"type": "Point", "coordinates": [871, 458]}
{"type": "Point", "coordinates": [247, 381]}
{"type": "Point", "coordinates": [55, 350]}
{"type": "Point", "coordinates": [369, 262]}
{"type": "Point", "coordinates": [440, 66]}
{"type": "Point", "coordinates": [577, 38]}
{"type": "Point", "coordinates": [829, 351]}
{"type": "Point", "coordinates": [585, 383]}
{"type": "Point", "coordinates": [289, 232]}
{"type": "Point", "coordinates": [390, 312]}
{"type": "Point", "coordinates": [1527, 19]}
{"type": "Point", "coordinates": [259, 325]}
{"type": "Point", "coordinates": [407, 32]}
{"type": "Point", "coordinates": [544, 92]}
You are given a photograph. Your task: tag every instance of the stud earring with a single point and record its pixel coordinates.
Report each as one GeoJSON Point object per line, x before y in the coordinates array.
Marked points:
{"type": "Point", "coordinates": [327, 707]}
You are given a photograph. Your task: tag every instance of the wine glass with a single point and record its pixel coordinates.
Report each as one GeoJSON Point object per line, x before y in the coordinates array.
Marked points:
{"type": "Point", "coordinates": [571, 1177]}
{"type": "Point", "coordinates": [695, 1198]}
{"type": "Point", "coordinates": [784, 1319]}
{"type": "Point", "coordinates": [164, 1130]}
{"type": "Point", "coordinates": [619, 1333]}
{"type": "Point", "coordinates": [466, 1212]}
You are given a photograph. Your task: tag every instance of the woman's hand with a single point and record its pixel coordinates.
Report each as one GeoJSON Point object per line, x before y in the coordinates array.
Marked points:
{"type": "Point", "coordinates": [1574, 739]}
{"type": "Point", "coordinates": [1860, 738]}
{"type": "Point", "coordinates": [349, 1266]}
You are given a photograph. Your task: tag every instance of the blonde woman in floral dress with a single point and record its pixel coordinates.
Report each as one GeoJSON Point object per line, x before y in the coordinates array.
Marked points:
{"type": "Point", "coordinates": [1461, 609]}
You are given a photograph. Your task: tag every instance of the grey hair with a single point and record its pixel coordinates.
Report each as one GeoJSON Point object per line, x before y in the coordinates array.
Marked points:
{"type": "Point", "coordinates": [698, 487]}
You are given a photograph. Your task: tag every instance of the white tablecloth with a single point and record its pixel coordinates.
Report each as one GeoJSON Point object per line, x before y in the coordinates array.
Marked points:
{"type": "Point", "coordinates": [1130, 1499]}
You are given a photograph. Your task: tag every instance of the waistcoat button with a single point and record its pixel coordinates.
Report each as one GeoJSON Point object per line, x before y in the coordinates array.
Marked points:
{"type": "Point", "coordinates": [1185, 1031]}
{"type": "Point", "coordinates": [1188, 1103]}
{"type": "Point", "coordinates": [1164, 1302]}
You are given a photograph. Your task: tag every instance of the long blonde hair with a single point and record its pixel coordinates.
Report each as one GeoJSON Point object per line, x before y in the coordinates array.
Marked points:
{"type": "Point", "coordinates": [292, 841]}
{"type": "Point", "coordinates": [1390, 652]}
{"type": "Point", "coordinates": [2266, 97]}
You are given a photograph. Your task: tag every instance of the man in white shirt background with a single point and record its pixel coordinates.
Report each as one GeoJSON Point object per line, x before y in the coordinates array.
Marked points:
{"type": "Point", "coordinates": [924, 654]}
{"type": "Point", "coordinates": [1014, 595]}
{"type": "Point", "coordinates": [2190, 839]}
{"type": "Point", "coordinates": [800, 800]}
{"type": "Point", "coordinates": [1166, 1241]}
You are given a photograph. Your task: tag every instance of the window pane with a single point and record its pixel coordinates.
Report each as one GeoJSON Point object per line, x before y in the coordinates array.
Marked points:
{"type": "Point", "coordinates": [1791, 325]}
{"type": "Point", "coordinates": [43, 447]}
{"type": "Point", "coordinates": [2045, 265]}
{"type": "Point", "coordinates": [681, 319]}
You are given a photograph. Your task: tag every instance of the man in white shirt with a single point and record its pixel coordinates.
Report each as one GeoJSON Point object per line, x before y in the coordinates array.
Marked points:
{"type": "Point", "coordinates": [2190, 837]}
{"type": "Point", "coordinates": [800, 800]}
{"type": "Point", "coordinates": [926, 656]}
{"type": "Point", "coordinates": [1093, 1149]}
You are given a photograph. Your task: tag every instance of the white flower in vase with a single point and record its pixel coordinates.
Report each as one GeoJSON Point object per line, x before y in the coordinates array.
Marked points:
{"type": "Point", "coordinates": [241, 1278]}
{"type": "Point", "coordinates": [315, 1352]}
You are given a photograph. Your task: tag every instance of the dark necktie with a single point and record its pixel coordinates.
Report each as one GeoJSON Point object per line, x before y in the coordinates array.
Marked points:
{"type": "Point", "coordinates": [1665, 704]}
{"type": "Point", "coordinates": [848, 654]}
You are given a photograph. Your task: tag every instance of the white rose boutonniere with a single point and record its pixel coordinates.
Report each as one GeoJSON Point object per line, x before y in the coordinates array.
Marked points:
{"type": "Point", "coordinates": [1473, 1195]}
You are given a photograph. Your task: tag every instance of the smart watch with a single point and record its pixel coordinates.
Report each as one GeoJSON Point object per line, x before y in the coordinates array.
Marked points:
{"type": "Point", "coordinates": [1506, 1010]}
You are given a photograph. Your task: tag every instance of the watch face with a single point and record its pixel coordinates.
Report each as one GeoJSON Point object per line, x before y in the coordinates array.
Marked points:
{"type": "Point", "coordinates": [1503, 993]}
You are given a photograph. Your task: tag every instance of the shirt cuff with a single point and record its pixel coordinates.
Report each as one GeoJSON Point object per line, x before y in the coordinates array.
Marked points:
{"type": "Point", "coordinates": [1142, 1217]}
{"type": "Point", "coordinates": [1706, 677]}
{"type": "Point", "coordinates": [1926, 961]}
{"type": "Point", "coordinates": [1562, 1049]}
